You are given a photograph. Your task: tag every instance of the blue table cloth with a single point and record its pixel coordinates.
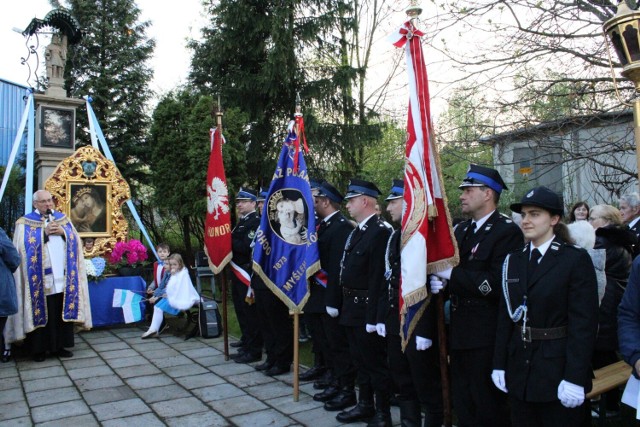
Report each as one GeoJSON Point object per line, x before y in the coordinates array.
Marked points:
{"type": "Point", "coordinates": [101, 297]}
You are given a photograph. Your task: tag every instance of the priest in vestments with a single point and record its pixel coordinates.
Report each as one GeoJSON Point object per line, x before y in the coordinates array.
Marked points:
{"type": "Point", "coordinates": [51, 282]}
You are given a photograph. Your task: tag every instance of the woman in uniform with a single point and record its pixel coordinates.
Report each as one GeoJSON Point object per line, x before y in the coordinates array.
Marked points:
{"type": "Point", "coordinates": [547, 320]}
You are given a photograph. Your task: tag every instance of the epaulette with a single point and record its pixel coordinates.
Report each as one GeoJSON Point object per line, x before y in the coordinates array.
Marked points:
{"type": "Point", "coordinates": [506, 218]}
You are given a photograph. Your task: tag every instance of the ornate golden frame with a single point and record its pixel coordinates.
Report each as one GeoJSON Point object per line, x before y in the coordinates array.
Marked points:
{"type": "Point", "coordinates": [87, 167]}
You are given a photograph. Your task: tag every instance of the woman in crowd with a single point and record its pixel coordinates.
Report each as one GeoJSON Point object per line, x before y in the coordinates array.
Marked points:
{"type": "Point", "coordinates": [9, 262]}
{"type": "Point", "coordinates": [547, 320]}
{"type": "Point", "coordinates": [618, 242]}
{"type": "Point", "coordinates": [178, 295]}
{"type": "Point", "coordinates": [579, 212]}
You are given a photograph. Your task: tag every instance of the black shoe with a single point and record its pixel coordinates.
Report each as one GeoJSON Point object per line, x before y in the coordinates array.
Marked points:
{"type": "Point", "coordinates": [361, 412]}
{"type": "Point", "coordinates": [6, 356]}
{"type": "Point", "coordinates": [326, 395]}
{"type": "Point", "coordinates": [324, 382]}
{"type": "Point", "coordinates": [313, 373]}
{"type": "Point", "coordinates": [277, 370]}
{"type": "Point", "coordinates": [264, 366]}
{"type": "Point", "coordinates": [380, 419]}
{"type": "Point", "coordinates": [64, 353]}
{"type": "Point", "coordinates": [39, 357]}
{"type": "Point", "coordinates": [248, 358]}
{"type": "Point", "coordinates": [346, 398]}
{"type": "Point", "coordinates": [236, 344]}
{"type": "Point", "coordinates": [240, 353]}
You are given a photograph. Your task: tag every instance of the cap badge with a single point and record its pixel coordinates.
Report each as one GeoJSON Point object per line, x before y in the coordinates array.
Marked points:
{"type": "Point", "coordinates": [530, 194]}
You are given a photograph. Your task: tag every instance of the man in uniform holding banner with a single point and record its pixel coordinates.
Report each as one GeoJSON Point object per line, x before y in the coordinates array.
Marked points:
{"type": "Point", "coordinates": [242, 238]}
{"type": "Point", "coordinates": [484, 242]}
{"type": "Point", "coordinates": [362, 281]}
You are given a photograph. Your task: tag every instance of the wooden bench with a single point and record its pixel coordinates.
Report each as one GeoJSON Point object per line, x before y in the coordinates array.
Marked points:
{"type": "Point", "coordinates": [606, 379]}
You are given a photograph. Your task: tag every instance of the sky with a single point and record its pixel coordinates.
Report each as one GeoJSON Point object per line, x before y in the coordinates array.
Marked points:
{"type": "Point", "coordinates": [171, 26]}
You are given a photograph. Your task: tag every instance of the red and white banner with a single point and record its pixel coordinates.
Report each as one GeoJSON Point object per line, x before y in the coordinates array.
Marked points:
{"type": "Point", "coordinates": [217, 226]}
{"type": "Point", "coordinates": [428, 244]}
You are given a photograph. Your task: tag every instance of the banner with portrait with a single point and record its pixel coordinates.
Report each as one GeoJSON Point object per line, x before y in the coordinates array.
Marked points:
{"type": "Point", "coordinates": [286, 253]}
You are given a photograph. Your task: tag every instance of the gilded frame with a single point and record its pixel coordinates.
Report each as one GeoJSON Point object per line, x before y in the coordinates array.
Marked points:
{"type": "Point", "coordinates": [87, 168]}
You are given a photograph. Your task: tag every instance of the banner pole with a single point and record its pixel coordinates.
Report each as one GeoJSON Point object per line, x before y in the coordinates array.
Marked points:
{"type": "Point", "coordinates": [296, 355]}
{"type": "Point", "coordinates": [225, 318]}
{"type": "Point", "coordinates": [444, 362]}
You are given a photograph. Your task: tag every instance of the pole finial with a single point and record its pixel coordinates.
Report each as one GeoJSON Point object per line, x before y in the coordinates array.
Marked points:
{"type": "Point", "coordinates": [414, 10]}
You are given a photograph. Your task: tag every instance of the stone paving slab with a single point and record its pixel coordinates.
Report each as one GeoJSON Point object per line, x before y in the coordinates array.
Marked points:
{"type": "Point", "coordinates": [117, 379]}
{"type": "Point", "coordinates": [159, 394]}
{"type": "Point", "coordinates": [47, 397]}
{"type": "Point", "coordinates": [60, 410]}
{"type": "Point", "coordinates": [120, 409]}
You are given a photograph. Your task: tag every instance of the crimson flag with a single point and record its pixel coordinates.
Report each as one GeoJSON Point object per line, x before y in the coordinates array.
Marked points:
{"type": "Point", "coordinates": [217, 238]}
{"type": "Point", "coordinates": [428, 244]}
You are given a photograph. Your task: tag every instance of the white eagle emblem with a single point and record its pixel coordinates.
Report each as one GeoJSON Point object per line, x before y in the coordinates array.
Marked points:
{"type": "Point", "coordinates": [217, 197]}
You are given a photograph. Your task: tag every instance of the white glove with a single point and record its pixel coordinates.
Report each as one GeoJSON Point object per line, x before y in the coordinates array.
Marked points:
{"type": "Point", "coordinates": [570, 395]}
{"type": "Point", "coordinates": [446, 274]}
{"type": "Point", "coordinates": [333, 312]}
{"type": "Point", "coordinates": [371, 328]}
{"type": "Point", "coordinates": [381, 329]}
{"type": "Point", "coordinates": [497, 376]}
{"type": "Point", "coordinates": [423, 343]}
{"type": "Point", "coordinates": [436, 284]}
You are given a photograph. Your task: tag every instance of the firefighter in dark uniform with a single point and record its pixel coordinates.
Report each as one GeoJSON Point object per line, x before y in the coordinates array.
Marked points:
{"type": "Point", "coordinates": [242, 236]}
{"type": "Point", "coordinates": [416, 371]}
{"type": "Point", "coordinates": [333, 231]}
{"type": "Point", "coordinates": [474, 285]}
{"type": "Point", "coordinates": [547, 321]}
{"type": "Point", "coordinates": [362, 280]}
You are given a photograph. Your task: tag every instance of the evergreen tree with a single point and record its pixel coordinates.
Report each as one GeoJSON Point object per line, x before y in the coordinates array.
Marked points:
{"type": "Point", "coordinates": [110, 65]}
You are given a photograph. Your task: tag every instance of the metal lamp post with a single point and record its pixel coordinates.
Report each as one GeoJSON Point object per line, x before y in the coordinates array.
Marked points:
{"type": "Point", "coordinates": [623, 31]}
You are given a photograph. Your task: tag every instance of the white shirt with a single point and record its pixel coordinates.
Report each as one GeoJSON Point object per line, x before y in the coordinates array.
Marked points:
{"type": "Point", "coordinates": [479, 223]}
{"type": "Point", "coordinates": [542, 248]}
{"type": "Point", "coordinates": [632, 223]}
{"type": "Point", "coordinates": [361, 224]}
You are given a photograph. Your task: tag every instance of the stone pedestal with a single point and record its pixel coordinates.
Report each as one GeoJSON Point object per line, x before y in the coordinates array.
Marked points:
{"type": "Point", "coordinates": [55, 132]}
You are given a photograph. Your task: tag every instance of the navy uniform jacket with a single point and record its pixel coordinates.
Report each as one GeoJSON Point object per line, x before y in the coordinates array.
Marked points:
{"type": "Point", "coordinates": [475, 282]}
{"type": "Point", "coordinates": [563, 291]}
{"type": "Point", "coordinates": [426, 326]}
{"type": "Point", "coordinates": [332, 236]}
{"type": "Point", "coordinates": [241, 238]}
{"type": "Point", "coordinates": [363, 271]}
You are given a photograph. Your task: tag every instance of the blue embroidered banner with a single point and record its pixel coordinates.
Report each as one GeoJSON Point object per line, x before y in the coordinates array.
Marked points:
{"type": "Point", "coordinates": [286, 254]}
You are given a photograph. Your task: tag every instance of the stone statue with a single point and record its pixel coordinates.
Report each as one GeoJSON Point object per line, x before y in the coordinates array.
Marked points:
{"type": "Point", "coordinates": [56, 57]}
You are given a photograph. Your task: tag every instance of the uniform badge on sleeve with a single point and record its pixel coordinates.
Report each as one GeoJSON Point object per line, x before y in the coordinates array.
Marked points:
{"type": "Point", "coordinates": [484, 288]}
{"type": "Point", "coordinates": [252, 234]}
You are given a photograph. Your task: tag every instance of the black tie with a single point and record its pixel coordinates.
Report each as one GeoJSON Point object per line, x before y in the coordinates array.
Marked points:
{"type": "Point", "coordinates": [471, 230]}
{"type": "Point", "coordinates": [322, 227]}
{"type": "Point", "coordinates": [533, 262]}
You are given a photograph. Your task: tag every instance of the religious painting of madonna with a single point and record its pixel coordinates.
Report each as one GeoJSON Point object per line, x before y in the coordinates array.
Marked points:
{"type": "Point", "coordinates": [89, 208]}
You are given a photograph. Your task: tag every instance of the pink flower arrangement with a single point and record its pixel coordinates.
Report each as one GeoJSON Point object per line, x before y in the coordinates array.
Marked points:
{"type": "Point", "coordinates": [131, 253]}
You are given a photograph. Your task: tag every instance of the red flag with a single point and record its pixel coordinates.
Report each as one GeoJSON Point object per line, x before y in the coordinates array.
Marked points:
{"type": "Point", "coordinates": [217, 237]}
{"type": "Point", "coordinates": [428, 243]}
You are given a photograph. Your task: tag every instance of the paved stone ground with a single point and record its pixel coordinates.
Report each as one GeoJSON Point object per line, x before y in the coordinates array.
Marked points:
{"type": "Point", "coordinates": [117, 379]}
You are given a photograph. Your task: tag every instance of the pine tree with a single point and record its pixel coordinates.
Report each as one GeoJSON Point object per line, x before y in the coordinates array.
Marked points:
{"type": "Point", "coordinates": [110, 65]}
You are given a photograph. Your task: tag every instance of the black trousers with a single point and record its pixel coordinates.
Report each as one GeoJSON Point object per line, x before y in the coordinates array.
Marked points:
{"type": "Point", "coordinates": [476, 400]}
{"type": "Point", "coordinates": [276, 326]}
{"type": "Point", "coordinates": [545, 414]}
{"type": "Point", "coordinates": [339, 353]}
{"type": "Point", "coordinates": [369, 355]}
{"type": "Point", "coordinates": [56, 334]}
{"type": "Point", "coordinates": [247, 318]}
{"type": "Point", "coordinates": [416, 374]}
{"type": "Point", "coordinates": [320, 344]}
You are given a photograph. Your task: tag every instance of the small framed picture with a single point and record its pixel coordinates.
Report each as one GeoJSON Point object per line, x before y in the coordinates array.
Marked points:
{"type": "Point", "coordinates": [89, 208]}
{"type": "Point", "coordinates": [57, 127]}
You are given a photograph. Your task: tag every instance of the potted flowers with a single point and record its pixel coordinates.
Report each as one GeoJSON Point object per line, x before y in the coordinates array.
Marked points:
{"type": "Point", "coordinates": [129, 257]}
{"type": "Point", "coordinates": [95, 268]}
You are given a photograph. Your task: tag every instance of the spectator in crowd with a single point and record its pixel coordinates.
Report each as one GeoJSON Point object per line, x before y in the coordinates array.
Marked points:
{"type": "Point", "coordinates": [9, 263]}
{"type": "Point", "coordinates": [178, 295]}
{"type": "Point", "coordinates": [579, 212]}
{"type": "Point", "coordinates": [619, 242]}
{"type": "Point", "coordinates": [629, 206]}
